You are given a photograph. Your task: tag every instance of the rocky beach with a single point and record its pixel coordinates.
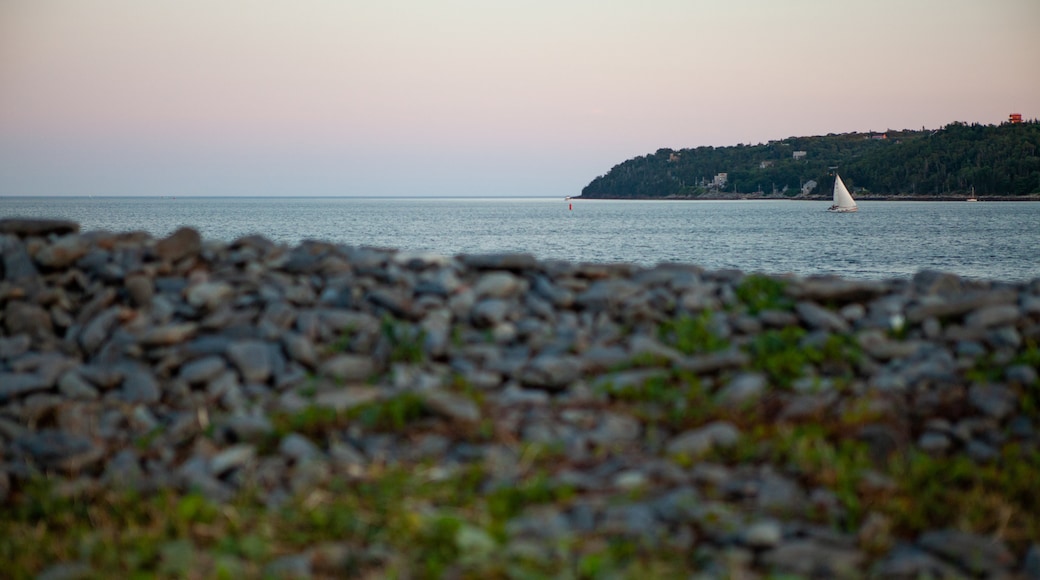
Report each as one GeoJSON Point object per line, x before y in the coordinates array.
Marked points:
{"type": "Point", "coordinates": [182, 407]}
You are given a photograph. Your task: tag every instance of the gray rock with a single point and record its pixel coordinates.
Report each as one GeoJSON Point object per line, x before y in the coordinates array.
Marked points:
{"type": "Point", "coordinates": [1021, 374]}
{"type": "Point", "coordinates": [990, 316]}
{"type": "Point", "coordinates": [910, 563]}
{"type": "Point", "coordinates": [249, 428]}
{"type": "Point", "coordinates": [252, 358]}
{"type": "Point", "coordinates": [714, 362]}
{"type": "Point", "coordinates": [16, 385]}
{"type": "Point", "coordinates": [934, 443]}
{"type": "Point", "coordinates": [975, 553]}
{"type": "Point", "coordinates": [59, 449]}
{"type": "Point", "coordinates": [233, 457]}
{"type": "Point", "coordinates": [451, 406]}
{"type": "Point", "coordinates": [14, 346]}
{"type": "Point", "coordinates": [294, 566]}
{"type": "Point", "coordinates": [762, 534]}
{"type": "Point", "coordinates": [300, 349]}
{"type": "Point", "coordinates": [551, 372]}
{"type": "Point", "coordinates": [202, 370]}
{"type": "Point", "coordinates": [697, 442]}
{"type": "Point", "coordinates": [169, 334]}
{"type": "Point", "coordinates": [18, 266]}
{"type": "Point", "coordinates": [616, 429]}
{"type": "Point", "coordinates": [539, 522]}
{"type": "Point", "coordinates": [490, 312]}
{"type": "Point", "coordinates": [67, 571]}
{"type": "Point", "coordinates": [820, 318]}
{"type": "Point", "coordinates": [348, 367]}
{"type": "Point", "coordinates": [98, 329]}
{"type": "Point", "coordinates": [139, 385]}
{"type": "Point", "coordinates": [298, 448]}
{"type": "Point", "coordinates": [745, 388]}
{"type": "Point", "coordinates": [514, 262]}
{"type": "Point", "coordinates": [1031, 563]}
{"type": "Point", "coordinates": [499, 285]}
{"type": "Point", "coordinates": [23, 227]}
{"type": "Point", "coordinates": [994, 401]}
{"type": "Point", "coordinates": [183, 243]}
{"type": "Point", "coordinates": [208, 295]}
{"type": "Point", "coordinates": [980, 451]}
{"type": "Point", "coordinates": [73, 386]}
{"type": "Point", "coordinates": [63, 252]}
{"type": "Point", "coordinates": [342, 399]}
{"type": "Point", "coordinates": [811, 558]}
{"type": "Point", "coordinates": [30, 319]}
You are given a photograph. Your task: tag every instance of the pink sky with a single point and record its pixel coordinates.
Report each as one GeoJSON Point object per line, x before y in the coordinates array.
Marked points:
{"type": "Point", "coordinates": [466, 97]}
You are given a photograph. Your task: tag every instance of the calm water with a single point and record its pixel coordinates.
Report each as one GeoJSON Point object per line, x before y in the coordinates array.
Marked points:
{"type": "Point", "coordinates": [885, 239]}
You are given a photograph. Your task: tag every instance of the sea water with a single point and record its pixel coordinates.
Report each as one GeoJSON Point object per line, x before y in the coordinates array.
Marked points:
{"type": "Point", "coordinates": [985, 240]}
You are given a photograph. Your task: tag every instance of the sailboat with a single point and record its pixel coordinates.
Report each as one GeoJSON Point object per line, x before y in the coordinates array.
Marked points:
{"type": "Point", "coordinates": [973, 198]}
{"type": "Point", "coordinates": [843, 202]}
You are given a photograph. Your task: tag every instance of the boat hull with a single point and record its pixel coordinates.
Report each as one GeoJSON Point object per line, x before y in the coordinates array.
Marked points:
{"type": "Point", "coordinates": [843, 209]}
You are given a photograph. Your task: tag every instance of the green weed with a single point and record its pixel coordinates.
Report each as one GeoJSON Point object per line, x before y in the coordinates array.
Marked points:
{"type": "Point", "coordinates": [760, 293]}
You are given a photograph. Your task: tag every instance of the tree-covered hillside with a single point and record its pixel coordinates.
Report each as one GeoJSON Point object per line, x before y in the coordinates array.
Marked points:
{"type": "Point", "coordinates": [1001, 160]}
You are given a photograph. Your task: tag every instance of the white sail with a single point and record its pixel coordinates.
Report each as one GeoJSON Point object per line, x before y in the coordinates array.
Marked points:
{"type": "Point", "coordinates": [843, 201]}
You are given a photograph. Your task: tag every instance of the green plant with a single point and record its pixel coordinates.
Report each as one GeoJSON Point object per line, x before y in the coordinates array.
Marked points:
{"type": "Point", "coordinates": [691, 334]}
{"type": "Point", "coordinates": [406, 340]}
{"type": "Point", "coordinates": [759, 292]}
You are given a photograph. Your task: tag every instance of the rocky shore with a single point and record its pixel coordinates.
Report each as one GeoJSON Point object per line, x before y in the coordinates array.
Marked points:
{"type": "Point", "coordinates": [190, 408]}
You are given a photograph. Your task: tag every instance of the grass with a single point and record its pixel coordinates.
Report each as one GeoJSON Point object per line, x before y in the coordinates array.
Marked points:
{"type": "Point", "coordinates": [691, 334]}
{"type": "Point", "coordinates": [759, 293]}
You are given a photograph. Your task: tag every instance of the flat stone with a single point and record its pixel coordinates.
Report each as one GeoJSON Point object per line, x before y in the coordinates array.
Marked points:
{"type": "Point", "coordinates": [348, 367]}
{"type": "Point", "coordinates": [169, 334]}
{"type": "Point", "coordinates": [203, 369]}
{"type": "Point", "coordinates": [975, 553]}
{"type": "Point", "coordinates": [714, 362]}
{"type": "Point", "coordinates": [811, 558]}
{"type": "Point", "coordinates": [551, 372]}
{"type": "Point", "coordinates": [208, 294]}
{"type": "Point", "coordinates": [252, 358]}
{"type": "Point", "coordinates": [451, 406]}
{"type": "Point", "coordinates": [932, 442]}
{"type": "Point", "coordinates": [233, 457]}
{"type": "Point", "coordinates": [499, 285]}
{"type": "Point", "coordinates": [514, 262]}
{"type": "Point", "coordinates": [994, 401]}
{"type": "Point", "coordinates": [22, 317]}
{"type": "Point", "coordinates": [140, 386]}
{"type": "Point", "coordinates": [990, 316]}
{"type": "Point", "coordinates": [697, 442]}
{"type": "Point", "coordinates": [14, 346]}
{"type": "Point", "coordinates": [58, 449]}
{"type": "Point", "coordinates": [63, 252]}
{"type": "Point", "coordinates": [490, 312]}
{"type": "Point", "coordinates": [14, 385]}
{"type": "Point", "coordinates": [820, 318]}
{"type": "Point", "coordinates": [743, 389]}
{"type": "Point", "coordinates": [298, 448]}
{"type": "Point", "coordinates": [616, 429]}
{"type": "Point", "coordinates": [762, 534]}
{"type": "Point", "coordinates": [342, 399]}
{"type": "Point", "coordinates": [300, 349]}
{"type": "Point", "coordinates": [72, 385]}
{"type": "Point", "coordinates": [180, 244]}
{"type": "Point", "coordinates": [910, 563]}
{"type": "Point", "coordinates": [23, 227]}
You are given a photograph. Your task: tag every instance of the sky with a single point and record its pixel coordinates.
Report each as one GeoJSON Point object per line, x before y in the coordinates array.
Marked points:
{"type": "Point", "coordinates": [471, 97]}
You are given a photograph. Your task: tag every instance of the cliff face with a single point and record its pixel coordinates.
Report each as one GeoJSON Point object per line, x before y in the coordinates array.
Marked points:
{"type": "Point", "coordinates": [188, 407]}
{"type": "Point", "coordinates": [994, 160]}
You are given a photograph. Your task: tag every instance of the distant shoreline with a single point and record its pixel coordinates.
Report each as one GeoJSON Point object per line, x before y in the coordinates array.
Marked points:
{"type": "Point", "coordinates": [754, 197]}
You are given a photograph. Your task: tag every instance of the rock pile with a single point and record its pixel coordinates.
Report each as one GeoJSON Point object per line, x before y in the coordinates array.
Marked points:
{"type": "Point", "coordinates": [663, 421]}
